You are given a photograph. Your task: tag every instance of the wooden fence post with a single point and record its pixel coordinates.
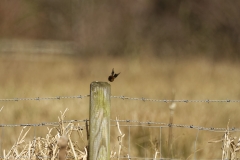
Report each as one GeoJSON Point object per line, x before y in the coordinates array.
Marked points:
{"type": "Point", "coordinates": [99, 126]}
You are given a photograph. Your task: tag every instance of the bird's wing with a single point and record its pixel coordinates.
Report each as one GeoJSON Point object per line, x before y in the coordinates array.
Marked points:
{"type": "Point", "coordinates": [112, 72]}
{"type": "Point", "coordinates": [115, 75]}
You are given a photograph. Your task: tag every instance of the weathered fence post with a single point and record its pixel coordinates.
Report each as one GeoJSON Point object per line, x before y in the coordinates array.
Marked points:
{"type": "Point", "coordinates": [99, 126]}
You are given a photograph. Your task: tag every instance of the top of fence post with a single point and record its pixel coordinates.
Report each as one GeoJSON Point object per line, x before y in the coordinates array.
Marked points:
{"type": "Point", "coordinates": [99, 115]}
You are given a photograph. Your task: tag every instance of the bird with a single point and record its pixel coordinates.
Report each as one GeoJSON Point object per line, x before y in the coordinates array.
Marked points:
{"type": "Point", "coordinates": [113, 76]}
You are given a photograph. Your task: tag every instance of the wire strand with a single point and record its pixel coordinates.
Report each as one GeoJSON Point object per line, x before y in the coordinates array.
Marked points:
{"type": "Point", "coordinates": [124, 98]}
{"type": "Point", "coordinates": [45, 98]}
{"type": "Point", "coordinates": [130, 123]}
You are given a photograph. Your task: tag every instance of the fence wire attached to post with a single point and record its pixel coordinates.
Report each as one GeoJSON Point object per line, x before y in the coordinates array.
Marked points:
{"type": "Point", "coordinates": [130, 124]}
{"type": "Point", "coordinates": [44, 98]}
{"type": "Point", "coordinates": [126, 98]}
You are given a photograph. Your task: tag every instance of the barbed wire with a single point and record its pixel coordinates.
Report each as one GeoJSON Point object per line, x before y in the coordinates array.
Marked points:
{"type": "Point", "coordinates": [125, 123]}
{"type": "Point", "coordinates": [41, 124]}
{"type": "Point", "coordinates": [130, 123]}
{"type": "Point", "coordinates": [44, 98]}
{"type": "Point", "coordinates": [161, 124]}
{"type": "Point", "coordinates": [123, 98]}
{"type": "Point", "coordinates": [171, 101]}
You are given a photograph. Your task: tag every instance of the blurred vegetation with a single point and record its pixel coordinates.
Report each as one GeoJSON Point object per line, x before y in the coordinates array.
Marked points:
{"type": "Point", "coordinates": [47, 75]}
{"type": "Point", "coordinates": [160, 27]}
{"type": "Point", "coordinates": [165, 50]}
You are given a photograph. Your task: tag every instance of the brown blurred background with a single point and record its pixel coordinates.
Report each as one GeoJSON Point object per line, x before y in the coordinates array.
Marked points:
{"type": "Point", "coordinates": [159, 27]}
{"type": "Point", "coordinates": [178, 49]}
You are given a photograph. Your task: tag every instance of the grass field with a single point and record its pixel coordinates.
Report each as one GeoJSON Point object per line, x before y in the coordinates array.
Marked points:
{"type": "Point", "coordinates": [24, 76]}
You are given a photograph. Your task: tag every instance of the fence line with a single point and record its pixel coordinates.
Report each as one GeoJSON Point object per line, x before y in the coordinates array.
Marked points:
{"type": "Point", "coordinates": [172, 100]}
{"type": "Point", "coordinates": [126, 123]}
{"type": "Point", "coordinates": [41, 124]}
{"type": "Point", "coordinates": [130, 123]}
{"type": "Point", "coordinates": [125, 98]}
{"type": "Point", "coordinates": [44, 98]}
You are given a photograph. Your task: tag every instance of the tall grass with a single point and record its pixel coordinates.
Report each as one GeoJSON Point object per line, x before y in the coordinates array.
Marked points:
{"type": "Point", "coordinates": [144, 76]}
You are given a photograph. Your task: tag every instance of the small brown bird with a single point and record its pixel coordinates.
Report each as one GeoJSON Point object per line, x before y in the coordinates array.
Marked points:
{"type": "Point", "coordinates": [113, 76]}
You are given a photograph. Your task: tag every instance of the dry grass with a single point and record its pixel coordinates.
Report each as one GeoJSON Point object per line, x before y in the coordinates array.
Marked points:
{"type": "Point", "coordinates": [141, 76]}
{"type": "Point", "coordinates": [230, 145]}
{"type": "Point", "coordinates": [59, 146]}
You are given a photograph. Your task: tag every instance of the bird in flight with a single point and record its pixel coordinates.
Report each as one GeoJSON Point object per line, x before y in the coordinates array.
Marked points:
{"type": "Point", "coordinates": [113, 76]}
